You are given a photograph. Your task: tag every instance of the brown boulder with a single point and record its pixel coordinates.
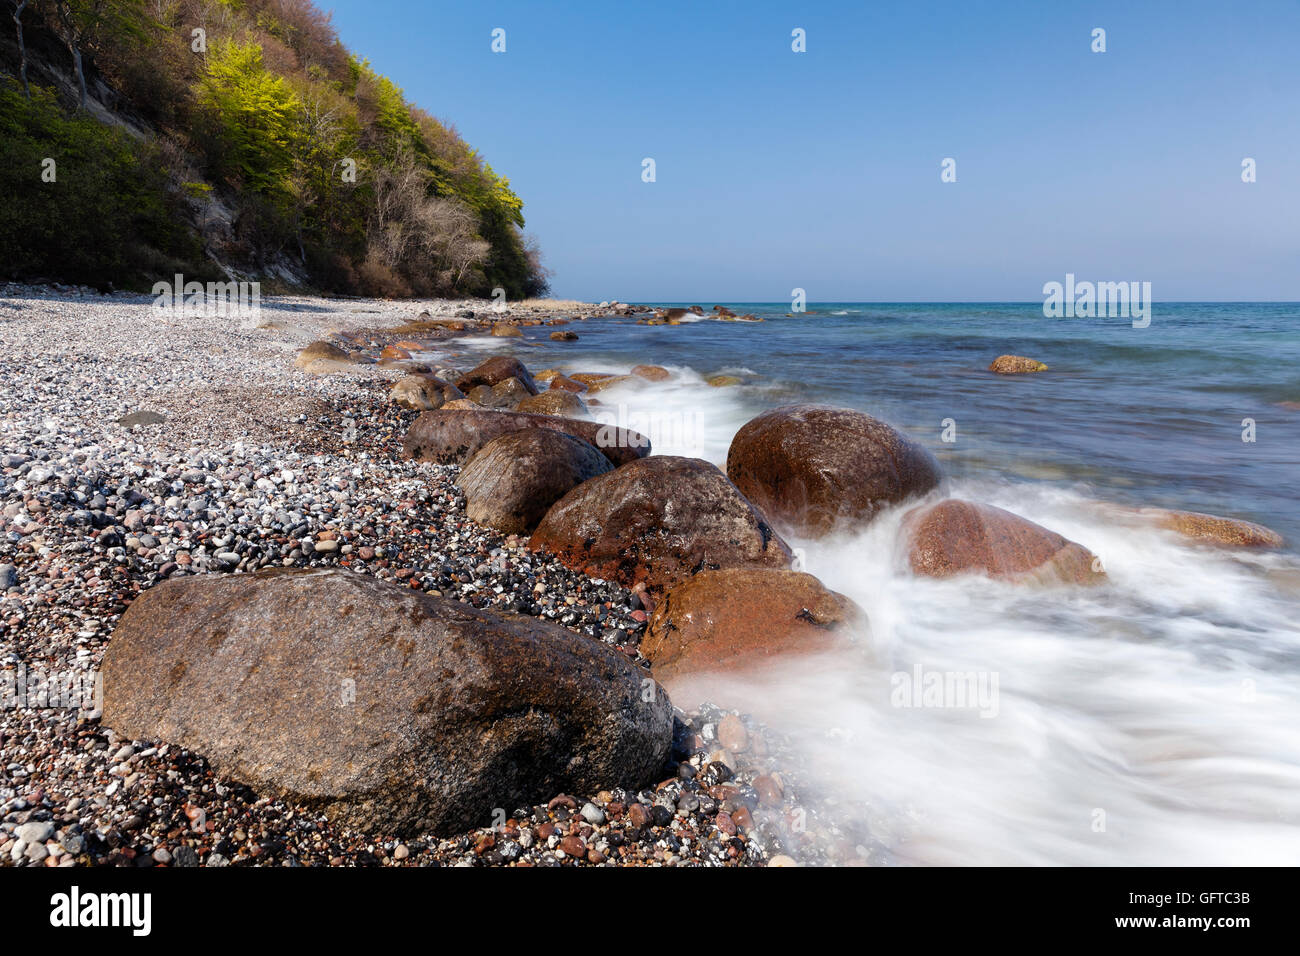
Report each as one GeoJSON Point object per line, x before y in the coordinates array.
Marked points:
{"type": "Point", "coordinates": [324, 357]}
{"type": "Point", "coordinates": [420, 393]}
{"type": "Point", "coordinates": [962, 537]}
{"type": "Point", "coordinates": [506, 331]}
{"type": "Point", "coordinates": [567, 384]}
{"type": "Point", "coordinates": [1211, 529]}
{"type": "Point", "coordinates": [495, 370]}
{"type": "Point", "coordinates": [1016, 365]}
{"type": "Point", "coordinates": [740, 619]}
{"type": "Point", "coordinates": [651, 373]}
{"type": "Point", "coordinates": [555, 402]}
{"type": "Point", "coordinates": [814, 469]}
{"type": "Point", "coordinates": [564, 336]}
{"type": "Point", "coordinates": [512, 481]}
{"type": "Point", "coordinates": [657, 521]}
{"type": "Point", "coordinates": [452, 437]}
{"type": "Point", "coordinates": [386, 709]}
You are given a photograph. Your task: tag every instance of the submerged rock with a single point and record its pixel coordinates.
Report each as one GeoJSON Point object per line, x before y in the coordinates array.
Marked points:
{"type": "Point", "coordinates": [512, 481]}
{"type": "Point", "coordinates": [657, 521]}
{"type": "Point", "coordinates": [555, 402]}
{"type": "Point", "coordinates": [1212, 529]}
{"type": "Point", "coordinates": [1016, 365]}
{"type": "Point", "coordinates": [814, 469]}
{"type": "Point", "coordinates": [386, 709]}
{"type": "Point", "coordinates": [963, 537]}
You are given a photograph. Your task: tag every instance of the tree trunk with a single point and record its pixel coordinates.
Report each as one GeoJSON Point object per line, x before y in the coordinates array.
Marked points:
{"type": "Point", "coordinates": [22, 48]}
{"type": "Point", "coordinates": [81, 75]}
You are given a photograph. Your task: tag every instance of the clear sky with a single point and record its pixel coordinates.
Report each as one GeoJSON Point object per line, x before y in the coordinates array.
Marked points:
{"type": "Point", "coordinates": [821, 169]}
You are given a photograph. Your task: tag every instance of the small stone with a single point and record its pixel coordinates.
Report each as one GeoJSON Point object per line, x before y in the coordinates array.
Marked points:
{"type": "Point", "coordinates": [732, 734]}
{"type": "Point", "coordinates": [593, 814]}
{"type": "Point", "coordinates": [161, 855]}
{"type": "Point", "coordinates": [35, 832]}
{"type": "Point", "coordinates": [401, 852]}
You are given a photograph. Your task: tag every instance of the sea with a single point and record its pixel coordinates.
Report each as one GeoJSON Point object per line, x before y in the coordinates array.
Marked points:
{"type": "Point", "coordinates": [1152, 721]}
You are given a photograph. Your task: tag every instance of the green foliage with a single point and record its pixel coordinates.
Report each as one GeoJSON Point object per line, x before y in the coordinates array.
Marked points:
{"type": "Point", "coordinates": [106, 216]}
{"type": "Point", "coordinates": [257, 115]}
{"type": "Point", "coordinates": [274, 115]}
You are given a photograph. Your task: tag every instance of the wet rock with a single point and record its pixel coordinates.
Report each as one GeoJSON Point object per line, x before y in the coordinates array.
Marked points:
{"type": "Point", "coordinates": [555, 402]}
{"type": "Point", "coordinates": [722, 381]}
{"type": "Point", "coordinates": [657, 521]}
{"type": "Point", "coordinates": [454, 436]}
{"type": "Point", "coordinates": [506, 331]}
{"type": "Point", "coordinates": [494, 370]}
{"type": "Point", "coordinates": [738, 619]}
{"type": "Point", "coordinates": [963, 537]}
{"type": "Point", "coordinates": [380, 706]}
{"type": "Point", "coordinates": [564, 336]}
{"type": "Point", "coordinates": [814, 469]}
{"type": "Point", "coordinates": [651, 373]}
{"type": "Point", "coordinates": [1212, 529]}
{"type": "Point", "coordinates": [513, 480]}
{"type": "Point", "coordinates": [1016, 365]}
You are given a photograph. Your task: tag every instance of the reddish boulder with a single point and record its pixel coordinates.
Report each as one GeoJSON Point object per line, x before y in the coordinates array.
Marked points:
{"type": "Point", "coordinates": [657, 521]}
{"type": "Point", "coordinates": [495, 370]}
{"type": "Point", "coordinates": [962, 537]}
{"type": "Point", "coordinates": [814, 469]}
{"type": "Point", "coordinates": [739, 619]}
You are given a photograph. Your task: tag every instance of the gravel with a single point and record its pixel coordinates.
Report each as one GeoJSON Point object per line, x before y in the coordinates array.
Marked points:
{"type": "Point", "coordinates": [237, 462]}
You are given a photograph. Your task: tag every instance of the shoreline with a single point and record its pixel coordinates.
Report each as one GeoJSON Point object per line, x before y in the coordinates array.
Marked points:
{"type": "Point", "coordinates": [257, 464]}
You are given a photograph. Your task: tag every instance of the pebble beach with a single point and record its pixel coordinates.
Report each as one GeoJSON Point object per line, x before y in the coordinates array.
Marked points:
{"type": "Point", "coordinates": [139, 447]}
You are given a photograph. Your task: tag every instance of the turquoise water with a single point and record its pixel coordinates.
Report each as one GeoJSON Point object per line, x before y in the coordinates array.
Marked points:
{"type": "Point", "coordinates": [1147, 416]}
{"type": "Point", "coordinates": [1152, 720]}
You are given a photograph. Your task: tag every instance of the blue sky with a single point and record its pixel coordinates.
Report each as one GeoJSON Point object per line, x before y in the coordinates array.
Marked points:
{"type": "Point", "coordinates": [821, 170]}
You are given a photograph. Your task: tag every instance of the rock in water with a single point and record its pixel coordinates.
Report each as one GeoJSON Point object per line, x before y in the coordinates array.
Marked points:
{"type": "Point", "coordinates": [962, 537]}
{"type": "Point", "coordinates": [555, 402]}
{"type": "Point", "coordinates": [814, 469]}
{"type": "Point", "coordinates": [657, 521]}
{"type": "Point", "coordinates": [1016, 365]}
{"type": "Point", "coordinates": [738, 619]}
{"type": "Point", "coordinates": [512, 481]}
{"type": "Point", "coordinates": [385, 708]}
{"type": "Point", "coordinates": [453, 436]}
{"type": "Point", "coordinates": [494, 370]}
{"type": "Point", "coordinates": [1212, 529]}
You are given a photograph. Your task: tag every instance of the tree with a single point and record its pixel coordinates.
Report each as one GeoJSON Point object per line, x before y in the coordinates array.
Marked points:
{"type": "Point", "coordinates": [84, 24]}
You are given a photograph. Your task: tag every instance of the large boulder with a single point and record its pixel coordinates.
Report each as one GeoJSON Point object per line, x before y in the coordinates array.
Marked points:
{"type": "Point", "coordinates": [814, 469]}
{"type": "Point", "coordinates": [494, 370]}
{"type": "Point", "coordinates": [389, 710]}
{"type": "Point", "coordinates": [963, 537]}
{"type": "Point", "coordinates": [512, 481]}
{"type": "Point", "coordinates": [740, 619]}
{"type": "Point", "coordinates": [452, 436]}
{"type": "Point", "coordinates": [656, 522]}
